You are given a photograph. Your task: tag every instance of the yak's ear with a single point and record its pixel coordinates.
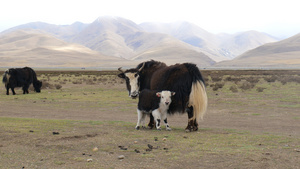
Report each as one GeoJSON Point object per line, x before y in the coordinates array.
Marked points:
{"type": "Point", "coordinates": [121, 75]}
{"type": "Point", "coordinates": [158, 94]}
{"type": "Point", "coordinates": [173, 93]}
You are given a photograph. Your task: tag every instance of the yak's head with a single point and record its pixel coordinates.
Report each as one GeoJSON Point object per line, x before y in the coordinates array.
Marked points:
{"type": "Point", "coordinates": [132, 77]}
{"type": "Point", "coordinates": [37, 86]}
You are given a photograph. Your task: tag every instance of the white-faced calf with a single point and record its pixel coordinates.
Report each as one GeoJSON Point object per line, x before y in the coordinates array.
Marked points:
{"type": "Point", "coordinates": [154, 102]}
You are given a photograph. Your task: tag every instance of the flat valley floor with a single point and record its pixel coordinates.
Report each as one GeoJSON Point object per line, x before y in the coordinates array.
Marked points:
{"type": "Point", "coordinates": [85, 119]}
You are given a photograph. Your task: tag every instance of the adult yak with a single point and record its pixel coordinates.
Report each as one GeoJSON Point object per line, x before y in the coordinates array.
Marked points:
{"type": "Point", "coordinates": [184, 79]}
{"type": "Point", "coordinates": [21, 77]}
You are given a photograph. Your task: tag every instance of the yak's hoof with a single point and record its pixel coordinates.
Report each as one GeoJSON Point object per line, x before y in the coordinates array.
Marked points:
{"type": "Point", "coordinates": [137, 127]}
{"type": "Point", "coordinates": [168, 129]}
{"type": "Point", "coordinates": [188, 129]}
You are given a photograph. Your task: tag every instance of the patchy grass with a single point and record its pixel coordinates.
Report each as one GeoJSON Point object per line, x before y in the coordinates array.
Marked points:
{"type": "Point", "coordinates": [249, 96]}
{"type": "Point", "coordinates": [30, 143]}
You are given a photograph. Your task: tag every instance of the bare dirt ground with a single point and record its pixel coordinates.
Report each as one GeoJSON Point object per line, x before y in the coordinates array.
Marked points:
{"type": "Point", "coordinates": [271, 113]}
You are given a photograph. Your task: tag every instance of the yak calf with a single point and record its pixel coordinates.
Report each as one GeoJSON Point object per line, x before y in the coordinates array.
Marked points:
{"type": "Point", "coordinates": [157, 103]}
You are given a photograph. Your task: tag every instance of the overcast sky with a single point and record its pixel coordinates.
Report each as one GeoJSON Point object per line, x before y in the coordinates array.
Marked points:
{"type": "Point", "coordinates": [276, 17]}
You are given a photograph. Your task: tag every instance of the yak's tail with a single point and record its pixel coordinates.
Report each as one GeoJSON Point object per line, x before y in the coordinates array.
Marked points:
{"type": "Point", "coordinates": [198, 99]}
{"type": "Point", "coordinates": [5, 77]}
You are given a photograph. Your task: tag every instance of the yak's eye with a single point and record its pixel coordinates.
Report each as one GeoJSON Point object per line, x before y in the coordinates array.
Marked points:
{"type": "Point", "coordinates": [135, 75]}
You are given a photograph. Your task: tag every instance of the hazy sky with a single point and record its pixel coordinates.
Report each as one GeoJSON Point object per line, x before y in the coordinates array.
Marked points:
{"type": "Point", "coordinates": [276, 17]}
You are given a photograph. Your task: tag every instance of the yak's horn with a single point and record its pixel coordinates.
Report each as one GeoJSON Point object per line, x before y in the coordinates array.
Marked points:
{"type": "Point", "coordinates": [120, 69]}
{"type": "Point", "coordinates": [142, 67]}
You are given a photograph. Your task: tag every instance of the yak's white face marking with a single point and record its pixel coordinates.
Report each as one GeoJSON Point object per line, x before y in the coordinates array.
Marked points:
{"type": "Point", "coordinates": [134, 84]}
{"type": "Point", "coordinates": [7, 75]}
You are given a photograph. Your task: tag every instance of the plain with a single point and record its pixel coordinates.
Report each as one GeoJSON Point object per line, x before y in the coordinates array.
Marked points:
{"type": "Point", "coordinates": [85, 119]}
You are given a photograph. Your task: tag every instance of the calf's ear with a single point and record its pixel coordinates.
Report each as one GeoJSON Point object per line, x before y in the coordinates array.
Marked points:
{"type": "Point", "coordinates": [158, 94]}
{"type": "Point", "coordinates": [121, 75]}
{"type": "Point", "coordinates": [173, 93]}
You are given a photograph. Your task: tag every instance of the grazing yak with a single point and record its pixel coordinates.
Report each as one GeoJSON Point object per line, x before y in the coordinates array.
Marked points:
{"type": "Point", "coordinates": [21, 77]}
{"type": "Point", "coordinates": [183, 79]}
{"type": "Point", "coordinates": [157, 103]}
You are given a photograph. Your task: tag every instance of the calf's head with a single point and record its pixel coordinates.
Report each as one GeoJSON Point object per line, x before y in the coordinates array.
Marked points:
{"type": "Point", "coordinates": [165, 97]}
{"type": "Point", "coordinates": [132, 77]}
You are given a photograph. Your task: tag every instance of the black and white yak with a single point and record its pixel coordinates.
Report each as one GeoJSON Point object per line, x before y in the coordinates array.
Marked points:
{"type": "Point", "coordinates": [157, 103]}
{"type": "Point", "coordinates": [184, 79]}
{"type": "Point", "coordinates": [21, 77]}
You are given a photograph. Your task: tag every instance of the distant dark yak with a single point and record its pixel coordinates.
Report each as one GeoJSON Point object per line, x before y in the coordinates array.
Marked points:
{"type": "Point", "coordinates": [21, 77]}
{"type": "Point", "coordinates": [183, 79]}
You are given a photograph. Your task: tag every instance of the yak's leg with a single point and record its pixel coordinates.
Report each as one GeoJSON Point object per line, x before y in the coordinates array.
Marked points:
{"type": "Point", "coordinates": [195, 125]}
{"type": "Point", "coordinates": [25, 89]}
{"type": "Point", "coordinates": [140, 115]}
{"type": "Point", "coordinates": [192, 124]}
{"type": "Point", "coordinates": [7, 89]}
{"type": "Point", "coordinates": [13, 90]}
{"type": "Point", "coordinates": [151, 122]}
{"type": "Point", "coordinates": [156, 115]}
{"type": "Point", "coordinates": [164, 117]}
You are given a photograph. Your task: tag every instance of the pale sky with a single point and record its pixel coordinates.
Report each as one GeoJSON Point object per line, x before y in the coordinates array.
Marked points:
{"type": "Point", "coordinates": [275, 17]}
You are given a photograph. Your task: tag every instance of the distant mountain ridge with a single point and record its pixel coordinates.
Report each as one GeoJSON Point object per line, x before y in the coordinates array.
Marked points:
{"type": "Point", "coordinates": [222, 46]}
{"type": "Point", "coordinates": [285, 53]}
{"type": "Point", "coordinates": [118, 39]}
{"type": "Point", "coordinates": [38, 49]}
{"type": "Point", "coordinates": [61, 31]}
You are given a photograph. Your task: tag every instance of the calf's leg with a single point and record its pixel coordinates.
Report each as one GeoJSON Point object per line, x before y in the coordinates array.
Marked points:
{"type": "Point", "coordinates": [151, 122]}
{"type": "Point", "coordinates": [156, 115]}
{"type": "Point", "coordinates": [164, 117]}
{"type": "Point", "coordinates": [143, 120]}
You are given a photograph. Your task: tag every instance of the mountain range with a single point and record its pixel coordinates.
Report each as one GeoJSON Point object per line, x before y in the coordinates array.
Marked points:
{"type": "Point", "coordinates": [115, 41]}
{"type": "Point", "coordinates": [285, 53]}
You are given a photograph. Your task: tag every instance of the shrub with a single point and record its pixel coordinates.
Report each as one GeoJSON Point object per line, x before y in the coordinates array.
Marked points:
{"type": "Point", "coordinates": [234, 89]}
{"type": "Point", "coordinates": [233, 79]}
{"type": "Point", "coordinates": [253, 80]}
{"type": "Point", "coordinates": [271, 79]}
{"type": "Point", "coordinates": [77, 82]}
{"type": "Point", "coordinates": [260, 89]}
{"type": "Point", "coordinates": [286, 79]}
{"type": "Point", "coordinates": [89, 82]}
{"type": "Point", "coordinates": [46, 85]}
{"type": "Point", "coordinates": [58, 86]}
{"type": "Point", "coordinates": [216, 78]}
{"type": "Point", "coordinates": [217, 86]}
{"type": "Point", "coordinates": [246, 85]}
